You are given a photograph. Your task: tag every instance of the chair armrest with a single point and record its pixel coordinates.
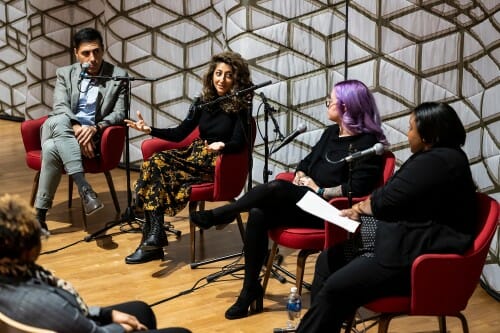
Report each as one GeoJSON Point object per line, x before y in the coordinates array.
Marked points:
{"type": "Point", "coordinates": [112, 143]}
{"type": "Point", "coordinates": [288, 176]}
{"type": "Point", "coordinates": [333, 233]}
{"type": "Point", "coordinates": [231, 171]}
{"type": "Point", "coordinates": [30, 133]}
{"type": "Point", "coordinates": [154, 145]}
{"type": "Point", "coordinates": [443, 281]}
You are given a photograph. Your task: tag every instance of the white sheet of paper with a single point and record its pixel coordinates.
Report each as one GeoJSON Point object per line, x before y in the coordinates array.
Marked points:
{"type": "Point", "coordinates": [313, 204]}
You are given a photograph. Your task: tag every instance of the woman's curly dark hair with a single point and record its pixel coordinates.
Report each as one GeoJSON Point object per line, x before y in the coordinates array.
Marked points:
{"type": "Point", "coordinates": [19, 229]}
{"type": "Point", "coordinates": [241, 79]}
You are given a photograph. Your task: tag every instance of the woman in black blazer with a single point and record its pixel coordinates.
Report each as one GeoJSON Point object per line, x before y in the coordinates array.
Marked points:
{"type": "Point", "coordinates": [428, 206]}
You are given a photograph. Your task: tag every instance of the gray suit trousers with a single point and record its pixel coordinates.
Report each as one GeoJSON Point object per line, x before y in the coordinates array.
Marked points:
{"type": "Point", "coordinates": [60, 152]}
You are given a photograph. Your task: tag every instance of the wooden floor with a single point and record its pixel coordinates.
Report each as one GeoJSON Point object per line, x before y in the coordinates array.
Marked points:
{"type": "Point", "coordinates": [181, 294]}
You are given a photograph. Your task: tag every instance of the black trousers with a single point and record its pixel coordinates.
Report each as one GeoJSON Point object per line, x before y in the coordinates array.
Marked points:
{"type": "Point", "coordinates": [145, 315]}
{"type": "Point", "coordinates": [269, 205]}
{"type": "Point", "coordinates": [341, 286]}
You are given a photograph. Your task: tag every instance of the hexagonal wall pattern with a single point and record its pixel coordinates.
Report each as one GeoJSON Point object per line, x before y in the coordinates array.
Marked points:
{"type": "Point", "coordinates": [406, 51]}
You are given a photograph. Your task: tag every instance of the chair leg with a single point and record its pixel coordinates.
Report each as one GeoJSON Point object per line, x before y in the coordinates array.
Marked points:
{"type": "Point", "coordinates": [349, 323]}
{"type": "Point", "coordinates": [269, 265]}
{"type": "Point", "coordinates": [34, 188]}
{"type": "Point", "coordinates": [301, 264]}
{"type": "Point", "coordinates": [192, 230]}
{"type": "Point", "coordinates": [241, 227]}
{"type": "Point", "coordinates": [383, 323]}
{"type": "Point", "coordinates": [442, 324]}
{"type": "Point", "coordinates": [70, 191]}
{"type": "Point", "coordinates": [112, 190]}
{"type": "Point", "coordinates": [465, 327]}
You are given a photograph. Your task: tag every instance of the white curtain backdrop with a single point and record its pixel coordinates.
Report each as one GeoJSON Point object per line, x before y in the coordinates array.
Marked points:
{"type": "Point", "coordinates": [406, 51]}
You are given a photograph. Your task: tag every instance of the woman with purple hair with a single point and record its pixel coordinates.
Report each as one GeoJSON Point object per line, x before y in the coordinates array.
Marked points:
{"type": "Point", "coordinates": [357, 127]}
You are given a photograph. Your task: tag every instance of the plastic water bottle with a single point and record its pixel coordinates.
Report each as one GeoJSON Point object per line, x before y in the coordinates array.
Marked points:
{"type": "Point", "coordinates": [294, 306]}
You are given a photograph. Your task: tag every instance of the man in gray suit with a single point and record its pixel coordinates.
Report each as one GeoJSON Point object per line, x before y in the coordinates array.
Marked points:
{"type": "Point", "coordinates": [83, 108]}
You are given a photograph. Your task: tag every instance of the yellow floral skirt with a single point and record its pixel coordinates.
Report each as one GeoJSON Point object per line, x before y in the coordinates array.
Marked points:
{"type": "Point", "coordinates": [165, 179]}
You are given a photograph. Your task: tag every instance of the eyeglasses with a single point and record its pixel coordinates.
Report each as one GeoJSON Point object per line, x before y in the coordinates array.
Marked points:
{"type": "Point", "coordinates": [329, 103]}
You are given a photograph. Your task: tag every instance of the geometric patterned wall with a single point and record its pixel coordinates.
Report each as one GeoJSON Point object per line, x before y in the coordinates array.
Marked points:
{"type": "Point", "coordinates": [405, 51]}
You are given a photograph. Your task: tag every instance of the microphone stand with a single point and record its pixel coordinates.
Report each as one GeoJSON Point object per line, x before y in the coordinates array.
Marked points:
{"type": "Point", "coordinates": [268, 113]}
{"type": "Point", "coordinates": [349, 178]}
{"type": "Point", "coordinates": [128, 216]}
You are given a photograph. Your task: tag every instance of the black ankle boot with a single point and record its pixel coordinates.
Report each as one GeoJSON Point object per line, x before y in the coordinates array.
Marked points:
{"type": "Point", "coordinates": [156, 238]}
{"type": "Point", "coordinates": [141, 256]}
{"type": "Point", "coordinates": [253, 298]}
{"type": "Point", "coordinates": [206, 219]}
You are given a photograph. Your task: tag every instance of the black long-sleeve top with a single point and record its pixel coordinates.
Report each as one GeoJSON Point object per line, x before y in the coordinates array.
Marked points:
{"type": "Point", "coordinates": [214, 125]}
{"type": "Point", "coordinates": [366, 172]}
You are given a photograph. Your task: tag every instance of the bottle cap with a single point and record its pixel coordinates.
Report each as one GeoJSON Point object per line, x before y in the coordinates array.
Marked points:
{"type": "Point", "coordinates": [293, 289]}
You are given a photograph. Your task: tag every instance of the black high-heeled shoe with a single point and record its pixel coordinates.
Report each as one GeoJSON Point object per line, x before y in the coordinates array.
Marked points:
{"type": "Point", "coordinates": [253, 299]}
{"type": "Point", "coordinates": [206, 219]}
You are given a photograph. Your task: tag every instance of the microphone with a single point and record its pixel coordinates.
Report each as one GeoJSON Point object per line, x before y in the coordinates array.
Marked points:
{"type": "Point", "coordinates": [263, 97]}
{"type": "Point", "coordinates": [83, 73]}
{"type": "Point", "coordinates": [252, 88]}
{"type": "Point", "coordinates": [377, 149]}
{"type": "Point", "coordinates": [301, 129]}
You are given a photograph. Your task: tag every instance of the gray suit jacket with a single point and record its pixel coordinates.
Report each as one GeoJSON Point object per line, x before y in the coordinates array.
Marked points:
{"type": "Point", "coordinates": [111, 108]}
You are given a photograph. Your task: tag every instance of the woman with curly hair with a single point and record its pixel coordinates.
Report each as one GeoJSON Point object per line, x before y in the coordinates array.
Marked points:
{"type": "Point", "coordinates": [32, 295]}
{"type": "Point", "coordinates": [165, 180]}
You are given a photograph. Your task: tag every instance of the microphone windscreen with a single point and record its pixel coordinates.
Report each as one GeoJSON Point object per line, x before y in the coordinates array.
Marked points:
{"type": "Point", "coordinates": [379, 148]}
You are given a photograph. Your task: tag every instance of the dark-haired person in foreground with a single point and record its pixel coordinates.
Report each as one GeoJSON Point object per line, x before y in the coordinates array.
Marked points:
{"type": "Point", "coordinates": [428, 206]}
{"type": "Point", "coordinates": [82, 109]}
{"type": "Point", "coordinates": [32, 295]}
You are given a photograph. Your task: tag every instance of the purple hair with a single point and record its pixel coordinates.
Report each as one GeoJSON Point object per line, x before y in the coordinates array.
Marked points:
{"type": "Point", "coordinates": [358, 109]}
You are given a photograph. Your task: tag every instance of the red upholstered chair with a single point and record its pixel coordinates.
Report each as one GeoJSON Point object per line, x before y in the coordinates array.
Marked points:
{"type": "Point", "coordinates": [441, 284]}
{"type": "Point", "coordinates": [310, 240]}
{"type": "Point", "coordinates": [112, 143]}
{"type": "Point", "coordinates": [231, 171]}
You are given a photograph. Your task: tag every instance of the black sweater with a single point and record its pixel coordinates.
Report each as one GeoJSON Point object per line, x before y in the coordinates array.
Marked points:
{"type": "Point", "coordinates": [365, 172]}
{"type": "Point", "coordinates": [214, 124]}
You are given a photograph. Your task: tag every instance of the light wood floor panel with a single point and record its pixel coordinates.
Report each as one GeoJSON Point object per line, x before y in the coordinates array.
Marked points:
{"type": "Point", "coordinates": [98, 271]}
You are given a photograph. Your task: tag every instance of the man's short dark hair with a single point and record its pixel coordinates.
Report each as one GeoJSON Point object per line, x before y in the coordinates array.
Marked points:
{"type": "Point", "coordinates": [87, 35]}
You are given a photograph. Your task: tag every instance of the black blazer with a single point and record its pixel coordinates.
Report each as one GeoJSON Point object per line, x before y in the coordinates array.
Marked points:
{"type": "Point", "coordinates": [428, 206]}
